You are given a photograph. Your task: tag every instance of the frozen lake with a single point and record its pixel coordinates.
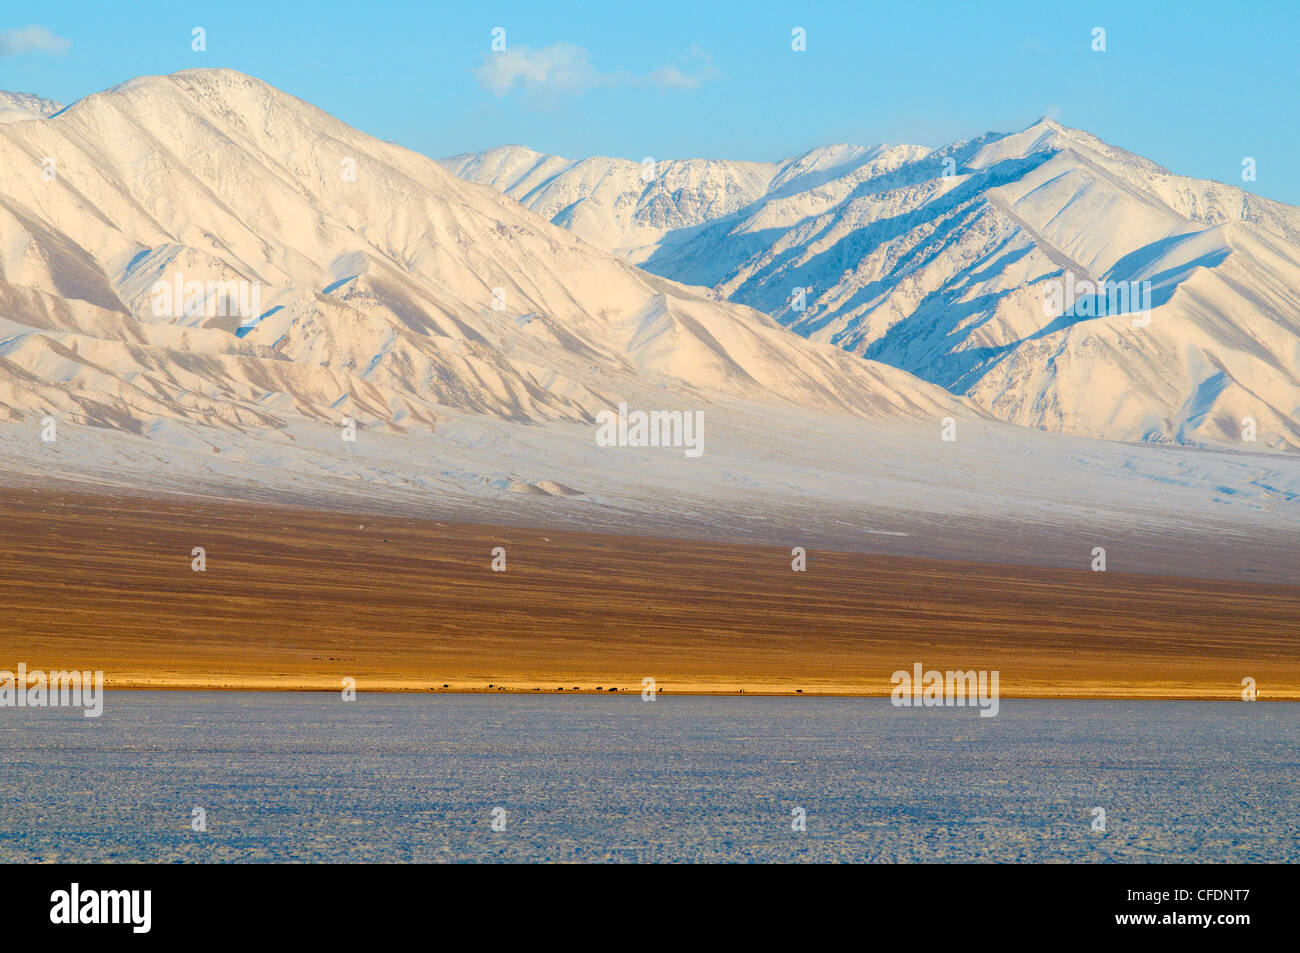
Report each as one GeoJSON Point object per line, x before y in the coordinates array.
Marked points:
{"type": "Point", "coordinates": [289, 777]}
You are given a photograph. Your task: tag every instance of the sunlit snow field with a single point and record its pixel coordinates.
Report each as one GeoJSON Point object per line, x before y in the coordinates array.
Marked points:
{"type": "Point", "coordinates": [288, 777]}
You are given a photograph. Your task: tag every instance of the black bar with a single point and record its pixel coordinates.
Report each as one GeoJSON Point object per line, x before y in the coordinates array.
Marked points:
{"type": "Point", "coordinates": [621, 904]}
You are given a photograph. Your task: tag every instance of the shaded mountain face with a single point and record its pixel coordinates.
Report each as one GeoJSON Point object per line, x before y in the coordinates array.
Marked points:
{"type": "Point", "coordinates": [632, 207]}
{"type": "Point", "coordinates": [204, 248]}
{"type": "Point", "coordinates": [1058, 282]}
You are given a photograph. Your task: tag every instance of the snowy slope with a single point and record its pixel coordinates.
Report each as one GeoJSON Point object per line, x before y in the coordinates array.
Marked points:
{"type": "Point", "coordinates": [16, 107]}
{"type": "Point", "coordinates": [617, 204]}
{"type": "Point", "coordinates": [388, 289]}
{"type": "Point", "coordinates": [942, 263]}
{"type": "Point", "coordinates": [630, 207]}
{"type": "Point", "coordinates": [473, 343]}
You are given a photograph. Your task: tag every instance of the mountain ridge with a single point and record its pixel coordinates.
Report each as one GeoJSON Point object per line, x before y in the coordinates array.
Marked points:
{"type": "Point", "coordinates": [387, 287]}
{"type": "Point", "coordinates": [940, 261]}
{"type": "Point", "coordinates": [17, 107]}
{"type": "Point", "coordinates": [471, 344]}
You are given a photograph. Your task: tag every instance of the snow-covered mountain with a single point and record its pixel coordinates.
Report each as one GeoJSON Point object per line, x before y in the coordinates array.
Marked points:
{"type": "Point", "coordinates": [963, 264]}
{"type": "Point", "coordinates": [15, 107]}
{"type": "Point", "coordinates": [473, 343]}
{"type": "Point", "coordinates": [631, 207]}
{"type": "Point", "coordinates": [373, 284]}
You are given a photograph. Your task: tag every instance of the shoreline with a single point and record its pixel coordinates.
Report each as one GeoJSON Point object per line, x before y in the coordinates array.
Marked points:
{"type": "Point", "coordinates": [719, 689]}
{"type": "Point", "coordinates": [1118, 696]}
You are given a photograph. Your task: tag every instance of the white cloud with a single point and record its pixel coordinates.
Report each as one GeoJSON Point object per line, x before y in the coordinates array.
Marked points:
{"type": "Point", "coordinates": [561, 66]}
{"type": "Point", "coordinates": [670, 77]}
{"type": "Point", "coordinates": [565, 68]}
{"type": "Point", "coordinates": [31, 39]}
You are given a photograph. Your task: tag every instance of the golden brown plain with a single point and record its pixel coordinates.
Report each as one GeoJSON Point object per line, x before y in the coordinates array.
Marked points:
{"type": "Point", "coordinates": [301, 599]}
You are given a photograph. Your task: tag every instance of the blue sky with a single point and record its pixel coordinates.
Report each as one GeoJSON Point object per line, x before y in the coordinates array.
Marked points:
{"type": "Point", "coordinates": [1196, 87]}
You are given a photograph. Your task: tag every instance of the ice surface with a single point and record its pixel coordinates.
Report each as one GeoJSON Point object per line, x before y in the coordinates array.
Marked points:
{"type": "Point", "coordinates": [415, 778]}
